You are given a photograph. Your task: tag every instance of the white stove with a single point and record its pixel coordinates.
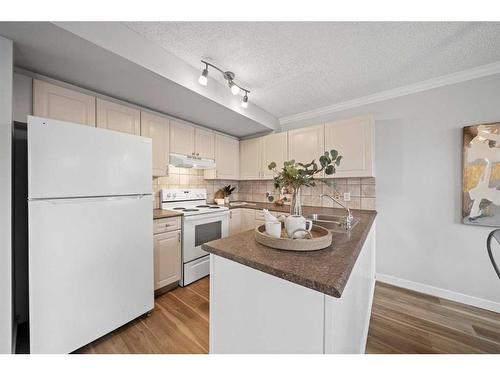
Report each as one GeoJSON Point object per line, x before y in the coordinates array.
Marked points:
{"type": "Point", "coordinates": [202, 222]}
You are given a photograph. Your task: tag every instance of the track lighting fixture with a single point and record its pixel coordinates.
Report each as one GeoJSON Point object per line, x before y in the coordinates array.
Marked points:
{"type": "Point", "coordinates": [229, 77]}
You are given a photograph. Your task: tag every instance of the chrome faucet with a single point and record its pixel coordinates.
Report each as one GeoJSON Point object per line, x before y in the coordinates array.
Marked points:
{"type": "Point", "coordinates": [347, 224]}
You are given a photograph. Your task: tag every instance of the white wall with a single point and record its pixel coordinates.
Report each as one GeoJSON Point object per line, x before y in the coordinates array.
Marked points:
{"type": "Point", "coordinates": [6, 72]}
{"type": "Point", "coordinates": [421, 243]}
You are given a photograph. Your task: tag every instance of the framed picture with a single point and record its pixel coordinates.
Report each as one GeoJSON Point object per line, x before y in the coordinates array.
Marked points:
{"type": "Point", "coordinates": [481, 175]}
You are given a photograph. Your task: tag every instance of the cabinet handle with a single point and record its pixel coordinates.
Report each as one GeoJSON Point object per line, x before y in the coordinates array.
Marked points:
{"type": "Point", "coordinates": [230, 215]}
{"type": "Point", "coordinates": [179, 237]}
{"type": "Point", "coordinates": [167, 225]}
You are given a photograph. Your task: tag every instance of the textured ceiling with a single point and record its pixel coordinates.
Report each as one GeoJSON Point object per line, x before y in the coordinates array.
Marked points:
{"type": "Point", "coordinates": [295, 67]}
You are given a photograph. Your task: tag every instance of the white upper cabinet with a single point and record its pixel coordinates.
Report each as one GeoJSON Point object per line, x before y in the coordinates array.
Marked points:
{"type": "Point", "coordinates": [181, 138]}
{"type": "Point", "coordinates": [274, 148]}
{"type": "Point", "coordinates": [204, 143]}
{"type": "Point", "coordinates": [60, 103]}
{"type": "Point", "coordinates": [306, 144]}
{"type": "Point", "coordinates": [353, 139]}
{"type": "Point", "coordinates": [227, 159]}
{"type": "Point", "coordinates": [250, 159]}
{"type": "Point", "coordinates": [118, 117]}
{"type": "Point", "coordinates": [157, 128]}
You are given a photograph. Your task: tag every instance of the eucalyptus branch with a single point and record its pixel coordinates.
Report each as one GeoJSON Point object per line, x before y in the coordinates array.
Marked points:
{"type": "Point", "coordinates": [295, 175]}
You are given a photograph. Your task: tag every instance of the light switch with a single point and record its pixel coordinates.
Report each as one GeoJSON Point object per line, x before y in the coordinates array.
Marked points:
{"type": "Point", "coordinates": [347, 197]}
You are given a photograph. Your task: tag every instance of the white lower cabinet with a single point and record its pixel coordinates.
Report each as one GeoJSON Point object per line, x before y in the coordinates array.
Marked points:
{"type": "Point", "coordinates": [247, 219]}
{"type": "Point", "coordinates": [234, 221]}
{"type": "Point", "coordinates": [243, 219]}
{"type": "Point", "coordinates": [167, 253]}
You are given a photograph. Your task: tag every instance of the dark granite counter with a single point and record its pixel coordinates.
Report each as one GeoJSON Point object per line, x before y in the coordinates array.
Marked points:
{"type": "Point", "coordinates": [326, 271]}
{"type": "Point", "coordinates": [161, 214]}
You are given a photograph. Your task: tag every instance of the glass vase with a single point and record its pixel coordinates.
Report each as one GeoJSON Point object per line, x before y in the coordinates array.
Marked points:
{"type": "Point", "coordinates": [296, 207]}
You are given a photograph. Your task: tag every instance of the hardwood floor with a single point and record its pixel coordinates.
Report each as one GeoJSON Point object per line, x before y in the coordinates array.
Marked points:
{"type": "Point", "coordinates": [178, 324]}
{"type": "Point", "coordinates": [402, 321]}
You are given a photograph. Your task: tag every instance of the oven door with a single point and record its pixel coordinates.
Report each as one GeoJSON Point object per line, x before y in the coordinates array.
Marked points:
{"type": "Point", "coordinates": [200, 229]}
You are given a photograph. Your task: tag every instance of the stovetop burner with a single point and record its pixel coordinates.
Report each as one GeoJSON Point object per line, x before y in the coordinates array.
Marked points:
{"type": "Point", "coordinates": [190, 210]}
{"type": "Point", "coordinates": [214, 207]}
{"type": "Point", "coordinates": [203, 206]}
{"type": "Point", "coordinates": [179, 208]}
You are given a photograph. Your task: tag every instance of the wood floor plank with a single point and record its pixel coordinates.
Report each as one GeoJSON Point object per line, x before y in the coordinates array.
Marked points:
{"type": "Point", "coordinates": [193, 300]}
{"type": "Point", "coordinates": [202, 287]}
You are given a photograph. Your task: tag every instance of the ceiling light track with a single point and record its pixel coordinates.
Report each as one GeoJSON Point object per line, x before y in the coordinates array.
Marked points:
{"type": "Point", "coordinates": [229, 77]}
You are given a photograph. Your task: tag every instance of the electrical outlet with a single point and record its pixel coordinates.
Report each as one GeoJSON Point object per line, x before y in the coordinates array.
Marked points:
{"type": "Point", "coordinates": [347, 197]}
{"type": "Point", "coordinates": [337, 196]}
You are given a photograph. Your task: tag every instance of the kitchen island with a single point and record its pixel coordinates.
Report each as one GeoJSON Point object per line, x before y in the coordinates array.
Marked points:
{"type": "Point", "coordinates": [264, 300]}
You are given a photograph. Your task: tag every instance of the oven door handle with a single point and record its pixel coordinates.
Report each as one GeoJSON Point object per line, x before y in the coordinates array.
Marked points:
{"type": "Point", "coordinates": [203, 217]}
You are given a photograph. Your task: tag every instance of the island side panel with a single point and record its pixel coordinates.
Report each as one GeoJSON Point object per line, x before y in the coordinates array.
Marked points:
{"type": "Point", "coordinates": [347, 319]}
{"type": "Point", "coordinates": [254, 312]}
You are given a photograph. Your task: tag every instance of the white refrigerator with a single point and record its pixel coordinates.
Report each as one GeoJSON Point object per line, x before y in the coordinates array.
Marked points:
{"type": "Point", "coordinates": [90, 225]}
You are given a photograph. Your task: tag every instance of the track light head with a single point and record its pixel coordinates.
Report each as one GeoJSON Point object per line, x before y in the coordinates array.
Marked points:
{"type": "Point", "coordinates": [244, 101]}
{"type": "Point", "coordinates": [234, 89]}
{"type": "Point", "coordinates": [203, 78]}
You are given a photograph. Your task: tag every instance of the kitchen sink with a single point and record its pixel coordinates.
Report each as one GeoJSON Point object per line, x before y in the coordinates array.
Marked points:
{"type": "Point", "coordinates": [332, 222]}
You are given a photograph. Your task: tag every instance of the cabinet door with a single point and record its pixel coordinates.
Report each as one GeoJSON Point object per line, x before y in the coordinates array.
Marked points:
{"type": "Point", "coordinates": [306, 144]}
{"type": "Point", "coordinates": [227, 158]}
{"type": "Point", "coordinates": [204, 143]}
{"type": "Point", "coordinates": [274, 148]}
{"type": "Point", "coordinates": [60, 103]}
{"type": "Point", "coordinates": [234, 221]}
{"type": "Point", "coordinates": [157, 128]}
{"type": "Point", "coordinates": [181, 138]}
{"type": "Point", "coordinates": [250, 159]}
{"type": "Point", "coordinates": [118, 117]}
{"type": "Point", "coordinates": [353, 139]}
{"type": "Point", "coordinates": [167, 249]}
{"type": "Point", "coordinates": [247, 219]}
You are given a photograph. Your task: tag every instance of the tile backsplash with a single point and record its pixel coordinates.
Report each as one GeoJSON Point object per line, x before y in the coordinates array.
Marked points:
{"type": "Point", "coordinates": [179, 178]}
{"type": "Point", "coordinates": [362, 189]}
{"type": "Point", "coordinates": [362, 192]}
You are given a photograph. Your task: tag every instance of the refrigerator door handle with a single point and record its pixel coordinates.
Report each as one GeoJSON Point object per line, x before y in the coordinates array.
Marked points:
{"type": "Point", "coordinates": [77, 200]}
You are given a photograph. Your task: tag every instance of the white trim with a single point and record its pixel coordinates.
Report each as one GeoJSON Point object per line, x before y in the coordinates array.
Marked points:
{"type": "Point", "coordinates": [441, 293]}
{"type": "Point", "coordinates": [449, 79]}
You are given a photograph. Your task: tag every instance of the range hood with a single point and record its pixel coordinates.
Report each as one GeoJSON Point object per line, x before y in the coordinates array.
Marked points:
{"type": "Point", "coordinates": [188, 161]}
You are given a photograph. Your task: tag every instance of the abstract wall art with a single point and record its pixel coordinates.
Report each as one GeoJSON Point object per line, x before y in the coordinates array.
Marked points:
{"type": "Point", "coordinates": [481, 175]}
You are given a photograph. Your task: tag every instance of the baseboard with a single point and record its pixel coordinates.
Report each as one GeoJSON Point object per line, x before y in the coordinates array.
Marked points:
{"type": "Point", "coordinates": [438, 292]}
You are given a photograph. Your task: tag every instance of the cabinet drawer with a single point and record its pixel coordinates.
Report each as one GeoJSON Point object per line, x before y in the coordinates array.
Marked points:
{"type": "Point", "coordinates": [166, 225]}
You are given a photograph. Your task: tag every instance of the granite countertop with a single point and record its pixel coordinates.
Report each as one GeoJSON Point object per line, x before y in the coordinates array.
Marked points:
{"type": "Point", "coordinates": [162, 214]}
{"type": "Point", "coordinates": [326, 271]}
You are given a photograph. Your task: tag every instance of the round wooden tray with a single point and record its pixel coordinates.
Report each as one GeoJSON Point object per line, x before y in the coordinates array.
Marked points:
{"type": "Point", "coordinates": [321, 238]}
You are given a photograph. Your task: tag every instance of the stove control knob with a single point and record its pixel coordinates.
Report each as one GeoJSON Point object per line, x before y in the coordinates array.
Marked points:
{"type": "Point", "coordinates": [168, 195]}
{"type": "Point", "coordinates": [173, 195]}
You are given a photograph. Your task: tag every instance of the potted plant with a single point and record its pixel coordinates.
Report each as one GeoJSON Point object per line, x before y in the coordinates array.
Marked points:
{"type": "Point", "coordinates": [295, 175]}
{"type": "Point", "coordinates": [227, 190]}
